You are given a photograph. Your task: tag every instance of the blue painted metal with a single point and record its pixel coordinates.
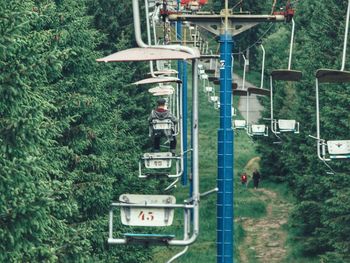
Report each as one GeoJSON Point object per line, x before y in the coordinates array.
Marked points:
{"type": "Point", "coordinates": [225, 230]}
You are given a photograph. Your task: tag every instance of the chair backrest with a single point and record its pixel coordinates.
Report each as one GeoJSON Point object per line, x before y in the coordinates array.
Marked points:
{"type": "Point", "coordinates": [159, 160]}
{"type": "Point", "coordinates": [239, 124]}
{"type": "Point", "coordinates": [258, 128]}
{"type": "Point", "coordinates": [286, 125]}
{"type": "Point", "coordinates": [339, 147]}
{"type": "Point", "coordinates": [162, 124]}
{"type": "Point", "coordinates": [147, 216]}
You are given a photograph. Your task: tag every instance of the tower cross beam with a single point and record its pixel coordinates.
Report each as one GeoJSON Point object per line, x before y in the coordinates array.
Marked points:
{"type": "Point", "coordinates": [238, 23]}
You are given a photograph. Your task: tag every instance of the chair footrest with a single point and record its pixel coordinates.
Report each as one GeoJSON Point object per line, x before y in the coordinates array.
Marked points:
{"type": "Point", "coordinates": [346, 156]}
{"type": "Point", "coordinates": [148, 238]}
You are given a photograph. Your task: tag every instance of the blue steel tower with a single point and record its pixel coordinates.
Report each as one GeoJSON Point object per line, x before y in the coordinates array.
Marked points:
{"type": "Point", "coordinates": [225, 242]}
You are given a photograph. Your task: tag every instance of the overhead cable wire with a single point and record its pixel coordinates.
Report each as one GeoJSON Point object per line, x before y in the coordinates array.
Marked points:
{"type": "Point", "coordinates": [255, 43]}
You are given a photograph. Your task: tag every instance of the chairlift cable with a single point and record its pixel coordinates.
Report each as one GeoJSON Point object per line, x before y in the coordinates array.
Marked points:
{"type": "Point", "coordinates": [257, 41]}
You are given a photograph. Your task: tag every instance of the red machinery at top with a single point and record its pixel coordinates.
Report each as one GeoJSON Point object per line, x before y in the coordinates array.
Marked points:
{"type": "Point", "coordinates": [193, 5]}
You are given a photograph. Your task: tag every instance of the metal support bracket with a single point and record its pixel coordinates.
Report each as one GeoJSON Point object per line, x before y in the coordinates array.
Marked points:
{"type": "Point", "coordinates": [126, 209]}
{"type": "Point", "coordinates": [167, 211]}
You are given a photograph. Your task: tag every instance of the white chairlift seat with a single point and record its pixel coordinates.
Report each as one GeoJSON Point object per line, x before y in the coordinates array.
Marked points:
{"type": "Point", "coordinates": [286, 75]}
{"type": "Point", "coordinates": [339, 149]}
{"type": "Point", "coordinates": [239, 124]}
{"type": "Point", "coordinates": [158, 160]}
{"type": "Point", "coordinates": [159, 79]}
{"type": "Point", "coordinates": [165, 92]}
{"type": "Point", "coordinates": [147, 210]}
{"type": "Point", "coordinates": [332, 76]}
{"type": "Point", "coordinates": [288, 126]}
{"type": "Point", "coordinates": [155, 89]}
{"type": "Point", "coordinates": [259, 129]}
{"type": "Point", "coordinates": [147, 54]}
{"type": "Point", "coordinates": [162, 90]}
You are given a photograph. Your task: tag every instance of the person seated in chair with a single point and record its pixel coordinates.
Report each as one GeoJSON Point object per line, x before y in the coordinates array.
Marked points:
{"type": "Point", "coordinates": [162, 113]}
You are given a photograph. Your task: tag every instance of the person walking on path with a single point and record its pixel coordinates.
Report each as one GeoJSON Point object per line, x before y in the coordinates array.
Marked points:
{"type": "Point", "coordinates": [244, 179]}
{"type": "Point", "coordinates": [256, 178]}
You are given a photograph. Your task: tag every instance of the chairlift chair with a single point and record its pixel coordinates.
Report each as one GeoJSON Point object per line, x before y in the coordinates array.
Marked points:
{"type": "Point", "coordinates": [156, 161]}
{"type": "Point", "coordinates": [337, 149]}
{"type": "Point", "coordinates": [240, 124]}
{"type": "Point", "coordinates": [258, 130]}
{"type": "Point", "coordinates": [148, 211]}
{"type": "Point", "coordinates": [284, 125]}
{"type": "Point", "coordinates": [215, 100]}
{"type": "Point", "coordinates": [210, 91]}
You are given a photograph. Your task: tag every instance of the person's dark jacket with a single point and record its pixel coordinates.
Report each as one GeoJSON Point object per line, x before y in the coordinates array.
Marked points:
{"type": "Point", "coordinates": [256, 176]}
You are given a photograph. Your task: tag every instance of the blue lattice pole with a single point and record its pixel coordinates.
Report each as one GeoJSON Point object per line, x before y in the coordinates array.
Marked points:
{"type": "Point", "coordinates": [225, 234]}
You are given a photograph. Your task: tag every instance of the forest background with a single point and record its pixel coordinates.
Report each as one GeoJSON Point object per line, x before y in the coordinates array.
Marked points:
{"type": "Point", "coordinates": [71, 130]}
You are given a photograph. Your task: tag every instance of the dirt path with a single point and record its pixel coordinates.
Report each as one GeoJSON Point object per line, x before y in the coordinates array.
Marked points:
{"type": "Point", "coordinates": [265, 239]}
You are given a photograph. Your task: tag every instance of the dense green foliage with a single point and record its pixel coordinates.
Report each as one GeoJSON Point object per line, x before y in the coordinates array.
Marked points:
{"type": "Point", "coordinates": [321, 219]}
{"type": "Point", "coordinates": [70, 130]}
